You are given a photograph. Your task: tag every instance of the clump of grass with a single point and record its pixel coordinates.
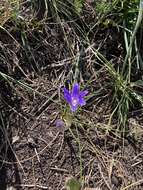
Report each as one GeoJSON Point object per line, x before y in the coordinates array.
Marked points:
{"type": "Point", "coordinates": [9, 10]}
{"type": "Point", "coordinates": [124, 96]}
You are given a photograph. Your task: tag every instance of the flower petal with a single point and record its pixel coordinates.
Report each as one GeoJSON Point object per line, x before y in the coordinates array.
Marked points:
{"type": "Point", "coordinates": [67, 95]}
{"type": "Point", "coordinates": [74, 108]}
{"type": "Point", "coordinates": [59, 123]}
{"type": "Point", "coordinates": [75, 90]}
{"type": "Point", "coordinates": [83, 93]}
{"type": "Point", "coordinates": [81, 101]}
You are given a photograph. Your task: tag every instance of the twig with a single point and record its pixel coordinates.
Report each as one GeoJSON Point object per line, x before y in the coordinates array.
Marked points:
{"type": "Point", "coordinates": [59, 169]}
{"type": "Point", "coordinates": [107, 184]}
{"type": "Point", "coordinates": [31, 185]}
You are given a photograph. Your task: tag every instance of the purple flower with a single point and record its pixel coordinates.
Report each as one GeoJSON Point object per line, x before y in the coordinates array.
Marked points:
{"type": "Point", "coordinates": [59, 123]}
{"type": "Point", "coordinates": [75, 97]}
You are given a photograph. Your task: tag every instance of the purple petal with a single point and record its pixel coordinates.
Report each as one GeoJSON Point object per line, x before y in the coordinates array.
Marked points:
{"type": "Point", "coordinates": [75, 90]}
{"type": "Point", "coordinates": [83, 93]}
{"type": "Point", "coordinates": [67, 95]}
{"type": "Point", "coordinates": [74, 108]}
{"type": "Point", "coordinates": [82, 101]}
{"type": "Point", "coordinates": [59, 123]}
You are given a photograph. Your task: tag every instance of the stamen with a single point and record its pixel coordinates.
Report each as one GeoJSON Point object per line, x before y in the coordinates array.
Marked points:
{"type": "Point", "coordinates": [74, 101]}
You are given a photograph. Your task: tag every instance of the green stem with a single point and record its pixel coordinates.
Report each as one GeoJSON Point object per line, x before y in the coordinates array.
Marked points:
{"type": "Point", "coordinates": [128, 55]}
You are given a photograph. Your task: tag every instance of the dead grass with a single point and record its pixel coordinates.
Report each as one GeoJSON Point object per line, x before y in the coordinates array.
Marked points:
{"type": "Point", "coordinates": [36, 58]}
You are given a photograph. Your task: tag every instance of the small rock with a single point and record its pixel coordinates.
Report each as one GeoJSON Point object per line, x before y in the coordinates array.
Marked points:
{"type": "Point", "coordinates": [15, 139]}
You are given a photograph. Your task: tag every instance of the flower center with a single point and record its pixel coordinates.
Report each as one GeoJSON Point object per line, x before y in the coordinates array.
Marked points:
{"type": "Point", "coordinates": [74, 101]}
